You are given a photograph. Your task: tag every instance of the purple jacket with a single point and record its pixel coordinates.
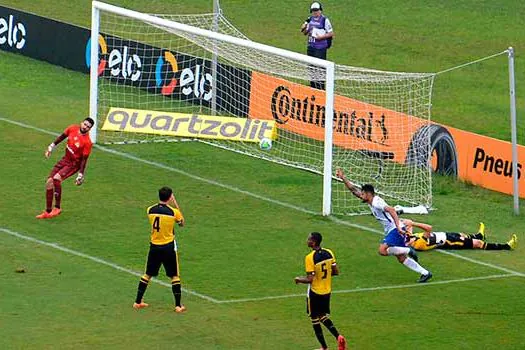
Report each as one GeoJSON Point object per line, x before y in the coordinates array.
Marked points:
{"type": "Point", "coordinates": [318, 23]}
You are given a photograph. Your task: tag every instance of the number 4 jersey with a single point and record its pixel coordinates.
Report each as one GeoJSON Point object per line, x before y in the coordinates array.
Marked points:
{"type": "Point", "coordinates": [162, 219]}
{"type": "Point", "coordinates": [319, 262]}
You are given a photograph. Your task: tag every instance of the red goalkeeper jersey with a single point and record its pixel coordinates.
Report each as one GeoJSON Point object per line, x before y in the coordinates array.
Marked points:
{"type": "Point", "coordinates": [78, 144]}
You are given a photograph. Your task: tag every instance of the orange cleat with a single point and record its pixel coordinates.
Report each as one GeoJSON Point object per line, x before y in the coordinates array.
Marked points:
{"type": "Point", "coordinates": [341, 343]}
{"type": "Point", "coordinates": [142, 305]}
{"type": "Point", "coordinates": [55, 212]}
{"type": "Point", "coordinates": [180, 309]}
{"type": "Point", "coordinates": [44, 215]}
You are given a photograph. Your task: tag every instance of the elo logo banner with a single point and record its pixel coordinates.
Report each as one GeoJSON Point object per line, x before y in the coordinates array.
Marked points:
{"type": "Point", "coordinates": [127, 62]}
{"type": "Point", "coordinates": [12, 32]}
{"type": "Point", "coordinates": [156, 70]}
{"type": "Point", "coordinates": [122, 62]}
{"type": "Point", "coordinates": [102, 52]}
{"type": "Point", "coordinates": [194, 81]}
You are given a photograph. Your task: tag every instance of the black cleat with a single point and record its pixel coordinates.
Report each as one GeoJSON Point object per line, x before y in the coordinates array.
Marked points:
{"type": "Point", "coordinates": [412, 254]}
{"type": "Point", "coordinates": [425, 278]}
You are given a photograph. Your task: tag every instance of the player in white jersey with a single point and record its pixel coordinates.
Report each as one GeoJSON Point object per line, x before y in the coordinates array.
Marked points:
{"type": "Point", "coordinates": [394, 240]}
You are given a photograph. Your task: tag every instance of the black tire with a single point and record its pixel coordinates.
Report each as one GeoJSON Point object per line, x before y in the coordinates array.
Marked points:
{"type": "Point", "coordinates": [442, 147]}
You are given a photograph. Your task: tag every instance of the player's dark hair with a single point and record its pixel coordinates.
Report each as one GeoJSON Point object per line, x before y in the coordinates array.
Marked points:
{"type": "Point", "coordinates": [368, 188]}
{"type": "Point", "coordinates": [316, 237]}
{"type": "Point", "coordinates": [165, 193]}
{"type": "Point", "coordinates": [91, 121]}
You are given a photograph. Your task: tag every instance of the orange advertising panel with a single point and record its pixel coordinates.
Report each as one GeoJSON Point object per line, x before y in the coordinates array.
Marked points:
{"type": "Point", "coordinates": [357, 125]}
{"type": "Point", "coordinates": [487, 162]}
{"type": "Point", "coordinates": [482, 160]}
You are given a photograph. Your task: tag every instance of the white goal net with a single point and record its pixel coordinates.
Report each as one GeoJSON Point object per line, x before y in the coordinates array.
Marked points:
{"type": "Point", "coordinates": [158, 83]}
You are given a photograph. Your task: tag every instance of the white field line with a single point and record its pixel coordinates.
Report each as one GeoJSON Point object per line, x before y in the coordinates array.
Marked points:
{"type": "Point", "coordinates": [504, 269]}
{"type": "Point", "coordinates": [243, 300]}
{"type": "Point", "coordinates": [372, 289]}
{"type": "Point", "coordinates": [263, 198]}
{"type": "Point", "coordinates": [98, 260]}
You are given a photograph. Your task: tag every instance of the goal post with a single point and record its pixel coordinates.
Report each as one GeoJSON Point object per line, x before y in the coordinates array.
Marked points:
{"type": "Point", "coordinates": [328, 141]}
{"type": "Point", "coordinates": [93, 71]}
{"type": "Point", "coordinates": [327, 66]}
{"type": "Point", "coordinates": [158, 77]}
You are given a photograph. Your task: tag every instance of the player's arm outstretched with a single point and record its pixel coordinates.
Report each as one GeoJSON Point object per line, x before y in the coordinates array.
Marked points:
{"type": "Point", "coordinates": [356, 191]}
{"type": "Point", "coordinates": [53, 144]}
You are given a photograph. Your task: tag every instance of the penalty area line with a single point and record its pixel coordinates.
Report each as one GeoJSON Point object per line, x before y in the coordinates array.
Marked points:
{"type": "Point", "coordinates": [372, 289]}
{"type": "Point", "coordinates": [254, 195]}
{"type": "Point", "coordinates": [100, 261]}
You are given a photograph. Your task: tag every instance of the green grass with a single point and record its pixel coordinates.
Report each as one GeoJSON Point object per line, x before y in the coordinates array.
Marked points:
{"type": "Point", "coordinates": [235, 245]}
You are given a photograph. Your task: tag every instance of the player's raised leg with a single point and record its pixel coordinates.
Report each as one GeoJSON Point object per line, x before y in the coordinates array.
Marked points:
{"type": "Point", "coordinates": [480, 234]}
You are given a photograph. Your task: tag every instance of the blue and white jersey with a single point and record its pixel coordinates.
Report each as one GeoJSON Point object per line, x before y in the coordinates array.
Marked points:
{"type": "Point", "coordinates": [378, 210]}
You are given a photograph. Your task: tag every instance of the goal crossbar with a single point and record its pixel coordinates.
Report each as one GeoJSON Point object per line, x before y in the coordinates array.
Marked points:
{"type": "Point", "coordinates": [329, 67]}
{"type": "Point", "coordinates": [97, 5]}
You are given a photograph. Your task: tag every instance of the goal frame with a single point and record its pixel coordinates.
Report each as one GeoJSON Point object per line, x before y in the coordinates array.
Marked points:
{"type": "Point", "coordinates": [329, 67]}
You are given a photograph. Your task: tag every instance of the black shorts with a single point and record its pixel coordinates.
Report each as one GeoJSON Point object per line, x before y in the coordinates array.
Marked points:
{"type": "Point", "coordinates": [317, 305]}
{"type": "Point", "coordinates": [162, 255]}
{"type": "Point", "coordinates": [457, 241]}
{"type": "Point", "coordinates": [319, 53]}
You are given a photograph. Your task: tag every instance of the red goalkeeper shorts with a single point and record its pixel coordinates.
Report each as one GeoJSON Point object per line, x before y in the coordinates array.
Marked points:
{"type": "Point", "coordinates": [65, 168]}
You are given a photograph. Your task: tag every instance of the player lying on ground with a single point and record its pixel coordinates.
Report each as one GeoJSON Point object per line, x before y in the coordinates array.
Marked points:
{"type": "Point", "coordinates": [394, 241]}
{"type": "Point", "coordinates": [429, 239]}
{"type": "Point", "coordinates": [320, 266]}
{"type": "Point", "coordinates": [78, 149]}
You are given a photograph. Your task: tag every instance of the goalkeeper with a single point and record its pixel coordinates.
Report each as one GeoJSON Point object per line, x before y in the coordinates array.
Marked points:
{"type": "Point", "coordinates": [78, 149]}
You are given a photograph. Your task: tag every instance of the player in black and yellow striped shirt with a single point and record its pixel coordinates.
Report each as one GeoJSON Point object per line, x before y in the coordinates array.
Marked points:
{"type": "Point", "coordinates": [320, 266]}
{"type": "Point", "coordinates": [429, 239]}
{"type": "Point", "coordinates": [163, 248]}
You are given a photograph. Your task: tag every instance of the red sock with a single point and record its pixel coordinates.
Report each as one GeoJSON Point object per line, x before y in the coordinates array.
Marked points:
{"type": "Point", "coordinates": [58, 192]}
{"type": "Point", "coordinates": [49, 199]}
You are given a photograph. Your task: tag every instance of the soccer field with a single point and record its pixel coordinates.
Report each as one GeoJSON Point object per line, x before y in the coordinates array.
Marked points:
{"type": "Point", "coordinates": [245, 239]}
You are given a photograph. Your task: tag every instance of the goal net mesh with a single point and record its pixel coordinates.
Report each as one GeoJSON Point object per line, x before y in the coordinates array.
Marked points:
{"type": "Point", "coordinates": [156, 74]}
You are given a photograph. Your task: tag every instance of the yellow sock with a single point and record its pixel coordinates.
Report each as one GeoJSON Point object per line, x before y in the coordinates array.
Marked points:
{"type": "Point", "coordinates": [481, 228]}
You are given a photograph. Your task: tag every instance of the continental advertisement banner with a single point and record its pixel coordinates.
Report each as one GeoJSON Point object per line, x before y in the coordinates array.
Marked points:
{"type": "Point", "coordinates": [189, 125]}
{"type": "Point", "coordinates": [387, 134]}
{"type": "Point", "coordinates": [357, 125]}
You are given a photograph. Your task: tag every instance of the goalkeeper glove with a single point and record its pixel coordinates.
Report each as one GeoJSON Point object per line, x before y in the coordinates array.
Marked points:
{"type": "Point", "coordinates": [50, 149]}
{"type": "Point", "coordinates": [80, 179]}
